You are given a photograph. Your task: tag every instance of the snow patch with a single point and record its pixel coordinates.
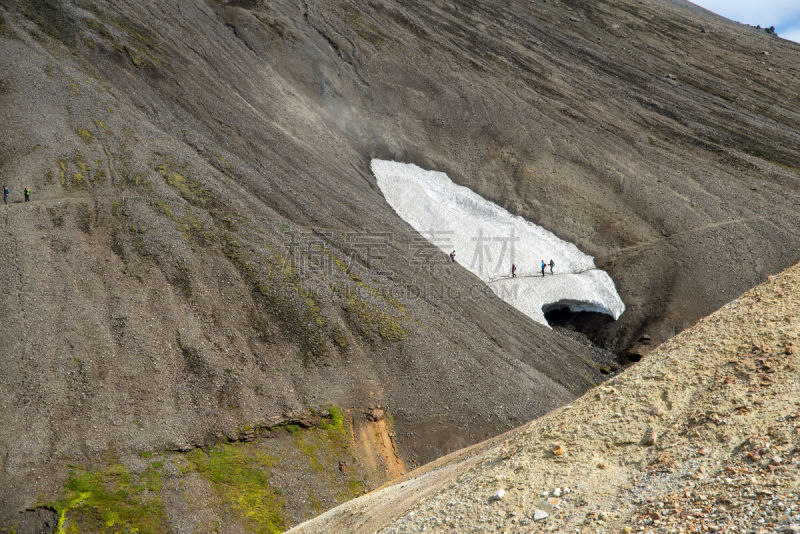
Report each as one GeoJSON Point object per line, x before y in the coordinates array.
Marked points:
{"type": "Point", "coordinates": [488, 239]}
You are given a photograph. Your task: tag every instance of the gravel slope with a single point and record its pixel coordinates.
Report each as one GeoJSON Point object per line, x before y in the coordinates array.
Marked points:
{"type": "Point", "coordinates": [700, 436]}
{"type": "Point", "coordinates": [189, 161]}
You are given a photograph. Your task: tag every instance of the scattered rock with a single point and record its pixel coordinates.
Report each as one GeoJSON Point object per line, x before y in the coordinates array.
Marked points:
{"type": "Point", "coordinates": [376, 414]}
{"type": "Point", "coordinates": [649, 438]}
{"type": "Point", "coordinates": [539, 514]}
{"type": "Point", "coordinates": [559, 450]}
{"type": "Point", "coordinates": [498, 496]}
{"type": "Point", "coordinates": [551, 503]}
{"type": "Point", "coordinates": [40, 520]}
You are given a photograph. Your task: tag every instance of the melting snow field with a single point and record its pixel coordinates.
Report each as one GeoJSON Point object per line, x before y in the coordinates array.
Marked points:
{"type": "Point", "coordinates": [488, 239]}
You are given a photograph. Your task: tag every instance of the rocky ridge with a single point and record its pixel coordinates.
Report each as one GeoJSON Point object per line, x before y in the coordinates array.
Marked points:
{"type": "Point", "coordinates": [700, 436]}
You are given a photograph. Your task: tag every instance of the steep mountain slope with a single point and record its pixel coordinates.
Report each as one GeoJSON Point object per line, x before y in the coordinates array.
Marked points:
{"type": "Point", "coordinates": [205, 254]}
{"type": "Point", "coordinates": [700, 436]}
{"type": "Point", "coordinates": [206, 250]}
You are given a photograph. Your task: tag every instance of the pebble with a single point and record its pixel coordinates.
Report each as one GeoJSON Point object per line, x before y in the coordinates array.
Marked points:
{"type": "Point", "coordinates": [649, 439]}
{"type": "Point", "coordinates": [539, 514]}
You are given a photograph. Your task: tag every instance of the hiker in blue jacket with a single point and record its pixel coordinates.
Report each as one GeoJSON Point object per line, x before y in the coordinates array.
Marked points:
{"type": "Point", "coordinates": [543, 266]}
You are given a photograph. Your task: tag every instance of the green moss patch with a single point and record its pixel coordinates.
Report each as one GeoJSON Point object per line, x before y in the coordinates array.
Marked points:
{"type": "Point", "coordinates": [126, 38]}
{"type": "Point", "coordinates": [7, 33]}
{"type": "Point", "coordinates": [335, 424]}
{"type": "Point", "coordinates": [239, 474]}
{"type": "Point", "coordinates": [323, 448]}
{"type": "Point", "coordinates": [192, 229]}
{"type": "Point", "coordinates": [84, 134]}
{"type": "Point", "coordinates": [277, 281]}
{"type": "Point", "coordinates": [112, 500]}
{"type": "Point", "coordinates": [51, 17]}
{"type": "Point", "coordinates": [371, 320]}
{"type": "Point", "coordinates": [102, 125]}
{"type": "Point", "coordinates": [368, 318]}
{"type": "Point", "coordinates": [103, 32]}
{"type": "Point", "coordinates": [191, 190]}
{"type": "Point", "coordinates": [76, 172]}
{"type": "Point", "coordinates": [366, 31]}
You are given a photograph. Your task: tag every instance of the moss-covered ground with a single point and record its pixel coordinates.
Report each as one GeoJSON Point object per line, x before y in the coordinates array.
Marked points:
{"type": "Point", "coordinates": [286, 474]}
{"type": "Point", "coordinates": [112, 500]}
{"type": "Point", "coordinates": [294, 474]}
{"type": "Point", "coordinates": [240, 475]}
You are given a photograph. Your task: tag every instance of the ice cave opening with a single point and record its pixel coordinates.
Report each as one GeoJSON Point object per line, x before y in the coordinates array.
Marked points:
{"type": "Point", "coordinates": [488, 240]}
{"type": "Point", "coordinates": [578, 316]}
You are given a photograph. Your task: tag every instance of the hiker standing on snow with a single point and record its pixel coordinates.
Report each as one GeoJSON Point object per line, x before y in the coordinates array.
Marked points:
{"type": "Point", "coordinates": [543, 266]}
{"type": "Point", "coordinates": [513, 271]}
{"type": "Point", "coordinates": [552, 264]}
{"type": "Point", "coordinates": [6, 191]}
{"type": "Point", "coordinates": [27, 194]}
{"type": "Point", "coordinates": [453, 256]}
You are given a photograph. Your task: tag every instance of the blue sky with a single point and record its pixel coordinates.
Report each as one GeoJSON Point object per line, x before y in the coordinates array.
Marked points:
{"type": "Point", "coordinates": [783, 14]}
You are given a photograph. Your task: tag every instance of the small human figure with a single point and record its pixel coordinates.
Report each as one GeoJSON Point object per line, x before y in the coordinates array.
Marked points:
{"type": "Point", "coordinates": [27, 194]}
{"type": "Point", "coordinates": [6, 191]}
{"type": "Point", "coordinates": [552, 264]}
{"type": "Point", "coordinates": [453, 256]}
{"type": "Point", "coordinates": [513, 271]}
{"type": "Point", "coordinates": [543, 266]}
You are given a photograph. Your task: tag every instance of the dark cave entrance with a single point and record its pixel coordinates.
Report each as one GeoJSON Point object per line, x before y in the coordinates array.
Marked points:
{"type": "Point", "coordinates": [576, 320]}
{"type": "Point", "coordinates": [571, 316]}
